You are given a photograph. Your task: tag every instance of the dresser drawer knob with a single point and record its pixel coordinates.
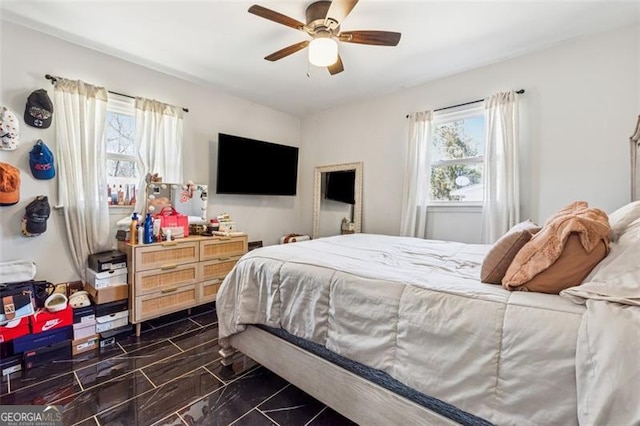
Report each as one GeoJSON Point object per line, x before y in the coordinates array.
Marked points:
{"type": "Point", "coordinates": [170, 266]}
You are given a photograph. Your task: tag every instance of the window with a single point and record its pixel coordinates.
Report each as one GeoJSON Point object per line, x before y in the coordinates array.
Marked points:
{"type": "Point", "coordinates": [122, 156]}
{"type": "Point", "coordinates": [457, 157]}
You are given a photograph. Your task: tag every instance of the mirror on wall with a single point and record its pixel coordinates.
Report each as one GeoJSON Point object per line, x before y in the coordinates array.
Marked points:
{"type": "Point", "coordinates": [337, 199]}
{"type": "Point", "coordinates": [189, 199]}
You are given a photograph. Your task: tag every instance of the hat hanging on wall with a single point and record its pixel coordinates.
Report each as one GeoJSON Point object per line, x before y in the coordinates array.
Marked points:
{"type": "Point", "coordinates": [9, 129]}
{"type": "Point", "coordinates": [41, 161]}
{"type": "Point", "coordinates": [39, 109]}
{"type": "Point", "coordinates": [37, 212]}
{"type": "Point", "coordinates": [9, 185]}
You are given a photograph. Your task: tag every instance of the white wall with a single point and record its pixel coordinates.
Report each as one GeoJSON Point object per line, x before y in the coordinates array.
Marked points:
{"type": "Point", "coordinates": [28, 55]}
{"type": "Point", "coordinates": [577, 114]}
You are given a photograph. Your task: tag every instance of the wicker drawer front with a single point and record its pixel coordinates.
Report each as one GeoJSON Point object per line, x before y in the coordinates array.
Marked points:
{"type": "Point", "coordinates": [209, 290]}
{"type": "Point", "coordinates": [217, 268]}
{"type": "Point", "coordinates": [165, 301]}
{"type": "Point", "coordinates": [159, 279]}
{"type": "Point", "coordinates": [163, 255]}
{"type": "Point", "coordinates": [222, 248]}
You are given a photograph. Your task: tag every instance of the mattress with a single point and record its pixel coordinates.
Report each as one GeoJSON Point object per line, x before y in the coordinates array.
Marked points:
{"type": "Point", "coordinates": [416, 310]}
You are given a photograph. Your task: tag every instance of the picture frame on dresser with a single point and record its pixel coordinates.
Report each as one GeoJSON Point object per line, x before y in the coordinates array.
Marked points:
{"type": "Point", "coordinates": [170, 276]}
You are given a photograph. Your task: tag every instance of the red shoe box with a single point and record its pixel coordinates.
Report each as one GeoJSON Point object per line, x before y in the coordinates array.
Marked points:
{"type": "Point", "coordinates": [44, 320]}
{"type": "Point", "coordinates": [14, 329]}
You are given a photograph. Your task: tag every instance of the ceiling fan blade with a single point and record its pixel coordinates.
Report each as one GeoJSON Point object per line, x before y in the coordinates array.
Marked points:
{"type": "Point", "coordinates": [339, 9]}
{"type": "Point", "coordinates": [287, 51]}
{"type": "Point", "coordinates": [274, 16]}
{"type": "Point", "coordinates": [378, 38]}
{"type": "Point", "coordinates": [337, 67]}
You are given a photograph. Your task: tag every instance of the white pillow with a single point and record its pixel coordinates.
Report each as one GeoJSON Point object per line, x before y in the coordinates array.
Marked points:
{"type": "Point", "coordinates": [622, 218]}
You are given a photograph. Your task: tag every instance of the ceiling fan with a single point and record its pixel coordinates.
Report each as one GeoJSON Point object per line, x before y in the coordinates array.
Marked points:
{"type": "Point", "coordinates": [323, 25]}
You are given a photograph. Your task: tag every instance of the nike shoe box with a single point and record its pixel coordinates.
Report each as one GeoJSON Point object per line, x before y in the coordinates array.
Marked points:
{"type": "Point", "coordinates": [14, 329]}
{"type": "Point", "coordinates": [111, 321]}
{"type": "Point", "coordinates": [107, 261]}
{"type": "Point", "coordinates": [46, 354]}
{"type": "Point", "coordinates": [46, 338]}
{"type": "Point", "coordinates": [84, 314]}
{"type": "Point", "coordinates": [108, 338]}
{"type": "Point", "coordinates": [85, 344]}
{"type": "Point", "coordinates": [44, 320]}
{"type": "Point", "coordinates": [84, 322]}
{"type": "Point", "coordinates": [107, 278]}
{"type": "Point", "coordinates": [10, 364]}
{"type": "Point", "coordinates": [85, 329]}
{"type": "Point", "coordinates": [112, 307]}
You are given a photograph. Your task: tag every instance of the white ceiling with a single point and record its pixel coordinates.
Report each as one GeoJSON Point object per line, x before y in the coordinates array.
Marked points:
{"type": "Point", "coordinates": [219, 44]}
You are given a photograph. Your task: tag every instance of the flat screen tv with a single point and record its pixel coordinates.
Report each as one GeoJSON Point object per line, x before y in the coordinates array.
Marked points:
{"type": "Point", "coordinates": [340, 186]}
{"type": "Point", "coordinates": [250, 166]}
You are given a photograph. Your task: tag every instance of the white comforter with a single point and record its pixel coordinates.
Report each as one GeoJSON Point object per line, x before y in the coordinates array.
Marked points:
{"type": "Point", "coordinates": [415, 309]}
{"type": "Point", "coordinates": [608, 349]}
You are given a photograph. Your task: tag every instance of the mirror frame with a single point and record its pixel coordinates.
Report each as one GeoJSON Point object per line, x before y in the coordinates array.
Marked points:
{"type": "Point", "coordinates": [317, 193]}
{"type": "Point", "coordinates": [168, 188]}
{"type": "Point", "coordinates": [635, 162]}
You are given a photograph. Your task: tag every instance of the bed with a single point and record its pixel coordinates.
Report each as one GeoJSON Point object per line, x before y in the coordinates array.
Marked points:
{"type": "Point", "coordinates": [413, 310]}
{"type": "Point", "coordinates": [342, 317]}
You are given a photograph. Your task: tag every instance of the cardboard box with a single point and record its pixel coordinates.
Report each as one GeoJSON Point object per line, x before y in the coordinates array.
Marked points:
{"type": "Point", "coordinates": [107, 294]}
{"type": "Point", "coordinates": [44, 320]}
{"type": "Point", "coordinates": [109, 322]}
{"type": "Point", "coordinates": [14, 329]}
{"type": "Point", "coordinates": [86, 344]}
{"type": "Point", "coordinates": [105, 279]}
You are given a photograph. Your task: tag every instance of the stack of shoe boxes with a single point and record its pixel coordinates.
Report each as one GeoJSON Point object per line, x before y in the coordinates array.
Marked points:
{"type": "Point", "coordinates": [42, 336]}
{"type": "Point", "coordinates": [108, 288]}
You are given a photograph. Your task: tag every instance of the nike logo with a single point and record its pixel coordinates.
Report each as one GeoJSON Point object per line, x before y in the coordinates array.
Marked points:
{"type": "Point", "coordinates": [50, 324]}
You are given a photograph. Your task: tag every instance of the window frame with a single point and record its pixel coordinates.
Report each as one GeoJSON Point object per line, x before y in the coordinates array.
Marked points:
{"type": "Point", "coordinates": [444, 117]}
{"type": "Point", "coordinates": [122, 105]}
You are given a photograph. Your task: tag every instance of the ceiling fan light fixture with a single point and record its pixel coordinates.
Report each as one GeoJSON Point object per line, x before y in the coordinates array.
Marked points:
{"type": "Point", "coordinates": [323, 51]}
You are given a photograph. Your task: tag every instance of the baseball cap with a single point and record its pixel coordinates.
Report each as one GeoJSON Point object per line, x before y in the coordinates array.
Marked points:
{"type": "Point", "coordinates": [37, 213]}
{"type": "Point", "coordinates": [41, 161]}
{"type": "Point", "coordinates": [9, 129]}
{"type": "Point", "coordinates": [9, 185]}
{"type": "Point", "coordinates": [39, 109]}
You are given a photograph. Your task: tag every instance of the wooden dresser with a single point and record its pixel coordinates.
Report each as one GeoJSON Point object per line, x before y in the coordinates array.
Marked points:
{"type": "Point", "coordinates": [171, 276]}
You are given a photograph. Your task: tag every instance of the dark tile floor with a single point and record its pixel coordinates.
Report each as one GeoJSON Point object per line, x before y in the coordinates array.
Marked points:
{"type": "Point", "coordinates": [170, 375]}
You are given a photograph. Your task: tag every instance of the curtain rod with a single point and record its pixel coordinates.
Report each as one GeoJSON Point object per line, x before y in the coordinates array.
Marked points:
{"type": "Point", "coordinates": [54, 79]}
{"type": "Point", "coordinates": [520, 92]}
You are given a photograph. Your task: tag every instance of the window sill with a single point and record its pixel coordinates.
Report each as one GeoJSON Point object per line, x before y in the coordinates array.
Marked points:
{"type": "Point", "coordinates": [454, 208]}
{"type": "Point", "coordinates": [118, 210]}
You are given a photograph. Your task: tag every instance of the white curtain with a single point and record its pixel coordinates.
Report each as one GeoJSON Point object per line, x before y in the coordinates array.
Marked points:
{"type": "Point", "coordinates": [159, 141]}
{"type": "Point", "coordinates": [417, 176]}
{"type": "Point", "coordinates": [80, 115]}
{"type": "Point", "coordinates": [501, 207]}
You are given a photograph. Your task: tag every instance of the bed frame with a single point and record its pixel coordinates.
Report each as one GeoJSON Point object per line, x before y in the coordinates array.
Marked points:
{"type": "Point", "coordinates": [356, 398]}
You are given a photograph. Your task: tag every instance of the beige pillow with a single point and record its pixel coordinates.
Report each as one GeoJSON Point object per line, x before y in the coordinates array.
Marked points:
{"type": "Point", "coordinates": [620, 219]}
{"type": "Point", "coordinates": [501, 255]}
{"type": "Point", "coordinates": [570, 269]}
